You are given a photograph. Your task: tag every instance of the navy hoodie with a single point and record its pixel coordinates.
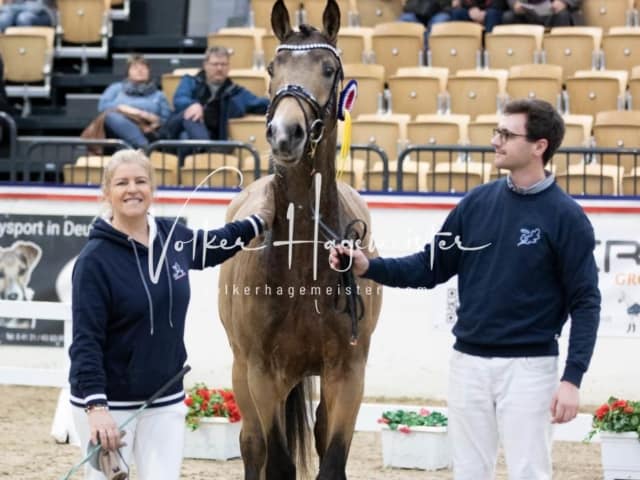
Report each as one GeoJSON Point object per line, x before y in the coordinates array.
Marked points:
{"type": "Point", "coordinates": [128, 315]}
{"type": "Point", "coordinates": [528, 264]}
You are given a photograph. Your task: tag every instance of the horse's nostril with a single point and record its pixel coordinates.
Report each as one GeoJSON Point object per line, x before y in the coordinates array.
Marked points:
{"type": "Point", "coordinates": [298, 132]}
{"type": "Point", "coordinates": [269, 131]}
{"type": "Point", "coordinates": [12, 296]}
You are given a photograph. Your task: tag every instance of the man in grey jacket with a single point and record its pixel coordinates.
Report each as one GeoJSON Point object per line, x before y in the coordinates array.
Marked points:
{"type": "Point", "coordinates": [550, 13]}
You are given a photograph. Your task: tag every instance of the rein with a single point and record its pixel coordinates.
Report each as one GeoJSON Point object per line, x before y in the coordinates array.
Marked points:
{"type": "Point", "coordinates": [355, 305]}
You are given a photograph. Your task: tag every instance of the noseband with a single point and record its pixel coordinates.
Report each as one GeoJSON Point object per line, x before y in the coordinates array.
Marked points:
{"type": "Point", "coordinates": [315, 127]}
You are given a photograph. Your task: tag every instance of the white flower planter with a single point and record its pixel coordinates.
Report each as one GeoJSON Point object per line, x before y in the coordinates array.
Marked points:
{"type": "Point", "coordinates": [620, 455]}
{"type": "Point", "coordinates": [424, 448]}
{"type": "Point", "coordinates": [214, 439]}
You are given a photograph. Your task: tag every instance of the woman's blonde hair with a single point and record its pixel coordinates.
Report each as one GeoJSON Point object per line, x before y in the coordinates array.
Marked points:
{"type": "Point", "coordinates": [136, 157]}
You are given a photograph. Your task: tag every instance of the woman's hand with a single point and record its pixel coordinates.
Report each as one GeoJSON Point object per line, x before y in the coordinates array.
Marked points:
{"type": "Point", "coordinates": [103, 428]}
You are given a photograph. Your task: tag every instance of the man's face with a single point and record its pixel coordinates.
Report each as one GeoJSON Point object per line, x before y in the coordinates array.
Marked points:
{"type": "Point", "coordinates": [216, 68]}
{"type": "Point", "coordinates": [513, 150]}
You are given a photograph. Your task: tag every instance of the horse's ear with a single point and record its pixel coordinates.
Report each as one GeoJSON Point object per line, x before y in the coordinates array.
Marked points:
{"type": "Point", "coordinates": [331, 21]}
{"type": "Point", "coordinates": [280, 20]}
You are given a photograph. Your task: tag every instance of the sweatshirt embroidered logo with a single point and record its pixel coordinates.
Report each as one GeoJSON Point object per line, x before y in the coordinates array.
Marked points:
{"type": "Point", "coordinates": [178, 272]}
{"type": "Point", "coordinates": [529, 236]}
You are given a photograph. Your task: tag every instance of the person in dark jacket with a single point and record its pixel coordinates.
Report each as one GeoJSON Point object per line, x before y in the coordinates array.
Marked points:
{"type": "Point", "coordinates": [521, 270]}
{"type": "Point", "coordinates": [130, 292]}
{"type": "Point", "coordinates": [204, 103]}
{"type": "Point", "coordinates": [27, 13]}
{"type": "Point", "coordinates": [485, 12]}
{"type": "Point", "coordinates": [556, 13]}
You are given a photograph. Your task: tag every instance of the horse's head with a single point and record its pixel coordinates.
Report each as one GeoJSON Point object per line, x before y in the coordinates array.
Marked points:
{"type": "Point", "coordinates": [305, 75]}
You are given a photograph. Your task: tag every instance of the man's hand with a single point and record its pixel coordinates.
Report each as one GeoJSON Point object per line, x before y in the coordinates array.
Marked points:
{"type": "Point", "coordinates": [558, 6]}
{"type": "Point", "coordinates": [477, 15]}
{"type": "Point", "coordinates": [194, 112]}
{"type": "Point", "coordinates": [565, 402]}
{"type": "Point", "coordinates": [359, 261]}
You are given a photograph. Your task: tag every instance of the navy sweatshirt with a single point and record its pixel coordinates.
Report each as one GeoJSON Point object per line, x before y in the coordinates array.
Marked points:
{"type": "Point", "coordinates": [128, 316]}
{"type": "Point", "coordinates": [531, 265]}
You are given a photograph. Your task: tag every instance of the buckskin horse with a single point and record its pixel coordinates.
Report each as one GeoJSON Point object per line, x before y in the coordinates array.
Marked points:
{"type": "Point", "coordinates": [287, 314]}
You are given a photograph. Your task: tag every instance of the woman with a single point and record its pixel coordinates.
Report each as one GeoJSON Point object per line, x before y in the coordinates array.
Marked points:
{"type": "Point", "coordinates": [129, 314]}
{"type": "Point", "coordinates": [135, 108]}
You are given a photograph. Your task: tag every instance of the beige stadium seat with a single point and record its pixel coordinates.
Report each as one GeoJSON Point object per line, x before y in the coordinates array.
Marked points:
{"type": "Point", "coordinates": [475, 92]}
{"type": "Point", "coordinates": [480, 132]}
{"type": "Point", "coordinates": [373, 12]}
{"type": "Point", "coordinates": [354, 44]}
{"type": "Point", "coordinates": [165, 167]}
{"type": "Point", "coordinates": [509, 45]}
{"type": "Point", "coordinates": [169, 83]}
{"type": "Point", "coordinates": [621, 48]}
{"type": "Point", "coordinates": [631, 183]}
{"type": "Point", "coordinates": [197, 167]}
{"type": "Point", "coordinates": [260, 13]}
{"type": "Point", "coordinates": [577, 133]}
{"type": "Point", "coordinates": [542, 81]}
{"type": "Point", "coordinates": [27, 66]}
{"type": "Point", "coordinates": [313, 9]}
{"type": "Point", "coordinates": [607, 13]}
{"type": "Point", "coordinates": [592, 91]}
{"type": "Point", "coordinates": [455, 45]}
{"type": "Point", "coordinates": [370, 78]}
{"type": "Point", "coordinates": [386, 131]}
{"type": "Point", "coordinates": [618, 129]}
{"type": "Point", "coordinates": [244, 45]}
{"type": "Point", "coordinates": [398, 44]}
{"type": "Point", "coordinates": [413, 176]}
{"type": "Point", "coordinates": [418, 90]}
{"type": "Point", "coordinates": [48, 32]}
{"type": "Point", "coordinates": [351, 171]}
{"type": "Point", "coordinates": [250, 129]}
{"type": "Point", "coordinates": [591, 179]}
{"type": "Point", "coordinates": [269, 45]}
{"type": "Point", "coordinates": [83, 30]}
{"type": "Point", "coordinates": [256, 81]}
{"type": "Point", "coordinates": [428, 129]}
{"type": "Point", "coordinates": [634, 89]}
{"type": "Point", "coordinates": [457, 177]}
{"type": "Point", "coordinates": [573, 48]}
{"type": "Point", "coordinates": [87, 170]}
{"type": "Point", "coordinates": [248, 168]}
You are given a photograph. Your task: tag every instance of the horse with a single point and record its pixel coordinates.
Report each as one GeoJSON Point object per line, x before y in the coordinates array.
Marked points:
{"type": "Point", "coordinates": [280, 302]}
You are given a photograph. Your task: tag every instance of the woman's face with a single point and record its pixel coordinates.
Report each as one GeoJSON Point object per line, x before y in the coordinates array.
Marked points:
{"type": "Point", "coordinates": [129, 192]}
{"type": "Point", "coordinates": [138, 73]}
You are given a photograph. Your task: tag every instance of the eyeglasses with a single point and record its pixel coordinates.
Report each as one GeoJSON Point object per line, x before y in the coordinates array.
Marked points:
{"type": "Point", "coordinates": [217, 64]}
{"type": "Point", "coordinates": [506, 135]}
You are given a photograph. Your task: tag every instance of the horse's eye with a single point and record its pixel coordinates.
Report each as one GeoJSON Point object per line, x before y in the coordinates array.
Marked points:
{"type": "Point", "coordinates": [328, 70]}
{"type": "Point", "coordinates": [270, 69]}
{"type": "Point", "coordinates": [22, 271]}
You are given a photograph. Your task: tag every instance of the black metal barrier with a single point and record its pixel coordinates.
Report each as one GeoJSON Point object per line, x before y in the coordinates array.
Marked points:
{"type": "Point", "coordinates": [8, 136]}
{"type": "Point", "coordinates": [457, 169]}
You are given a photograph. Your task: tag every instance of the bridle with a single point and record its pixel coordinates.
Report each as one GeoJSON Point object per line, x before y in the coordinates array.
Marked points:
{"type": "Point", "coordinates": [314, 126]}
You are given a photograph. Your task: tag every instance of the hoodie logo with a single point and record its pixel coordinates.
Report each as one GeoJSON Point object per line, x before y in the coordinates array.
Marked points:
{"type": "Point", "coordinates": [178, 272]}
{"type": "Point", "coordinates": [529, 236]}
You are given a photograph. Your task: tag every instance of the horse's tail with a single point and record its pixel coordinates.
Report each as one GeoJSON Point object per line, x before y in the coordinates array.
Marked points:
{"type": "Point", "coordinates": [298, 429]}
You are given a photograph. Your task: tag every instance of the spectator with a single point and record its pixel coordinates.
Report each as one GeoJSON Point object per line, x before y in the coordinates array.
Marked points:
{"type": "Point", "coordinates": [427, 12]}
{"type": "Point", "coordinates": [204, 103]}
{"type": "Point", "coordinates": [485, 12]}
{"type": "Point", "coordinates": [134, 108]}
{"type": "Point", "coordinates": [556, 13]}
{"type": "Point", "coordinates": [27, 13]}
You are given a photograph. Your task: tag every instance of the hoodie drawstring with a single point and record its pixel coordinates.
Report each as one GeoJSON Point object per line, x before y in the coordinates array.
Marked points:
{"type": "Point", "coordinates": [144, 282]}
{"type": "Point", "coordinates": [166, 264]}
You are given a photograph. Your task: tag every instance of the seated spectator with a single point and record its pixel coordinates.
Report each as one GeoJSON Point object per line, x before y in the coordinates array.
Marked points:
{"type": "Point", "coordinates": [134, 108]}
{"type": "Point", "coordinates": [556, 13]}
{"type": "Point", "coordinates": [485, 12]}
{"type": "Point", "coordinates": [427, 12]}
{"type": "Point", "coordinates": [204, 103]}
{"type": "Point", "coordinates": [27, 13]}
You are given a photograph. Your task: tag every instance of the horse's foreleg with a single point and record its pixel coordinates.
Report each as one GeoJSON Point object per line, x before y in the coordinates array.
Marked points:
{"type": "Point", "coordinates": [342, 394]}
{"type": "Point", "coordinates": [268, 394]}
{"type": "Point", "coordinates": [252, 441]}
{"type": "Point", "coordinates": [320, 428]}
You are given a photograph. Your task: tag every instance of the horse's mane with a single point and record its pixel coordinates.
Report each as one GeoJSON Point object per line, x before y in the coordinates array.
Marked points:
{"type": "Point", "coordinates": [305, 33]}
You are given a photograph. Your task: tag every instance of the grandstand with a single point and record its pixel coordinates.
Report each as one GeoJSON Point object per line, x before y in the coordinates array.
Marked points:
{"type": "Point", "coordinates": [54, 77]}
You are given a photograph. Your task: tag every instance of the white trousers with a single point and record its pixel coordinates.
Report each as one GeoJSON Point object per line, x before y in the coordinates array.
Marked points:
{"type": "Point", "coordinates": [155, 440]}
{"type": "Point", "coordinates": [504, 400]}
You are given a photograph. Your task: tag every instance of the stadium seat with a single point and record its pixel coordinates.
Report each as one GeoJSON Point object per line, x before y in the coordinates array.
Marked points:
{"type": "Point", "coordinates": [608, 13]}
{"type": "Point", "coordinates": [244, 45]}
{"type": "Point", "coordinates": [260, 13]}
{"type": "Point", "coordinates": [312, 11]}
{"type": "Point", "coordinates": [509, 45]}
{"type": "Point", "coordinates": [577, 133]}
{"type": "Point", "coordinates": [618, 129]}
{"type": "Point", "coordinates": [634, 89]}
{"type": "Point", "coordinates": [256, 81]}
{"type": "Point", "coordinates": [398, 44]}
{"type": "Point", "coordinates": [476, 92]}
{"type": "Point", "coordinates": [590, 179]}
{"type": "Point", "coordinates": [370, 78]}
{"type": "Point", "coordinates": [621, 48]}
{"type": "Point", "coordinates": [573, 48]}
{"type": "Point", "coordinates": [458, 177]}
{"type": "Point", "coordinates": [631, 183]}
{"type": "Point", "coordinates": [83, 24]}
{"type": "Point", "coordinates": [87, 170]}
{"type": "Point", "coordinates": [354, 44]}
{"type": "Point", "coordinates": [373, 12]}
{"type": "Point", "coordinates": [455, 45]}
{"type": "Point", "coordinates": [591, 91]}
{"type": "Point", "coordinates": [250, 129]}
{"type": "Point", "coordinates": [165, 167]}
{"type": "Point", "coordinates": [542, 81]}
{"type": "Point", "coordinates": [418, 90]}
{"type": "Point", "coordinates": [428, 129]}
{"type": "Point", "coordinates": [197, 167]}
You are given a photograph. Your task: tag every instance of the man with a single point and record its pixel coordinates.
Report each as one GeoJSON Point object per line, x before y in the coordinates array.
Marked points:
{"type": "Point", "coordinates": [550, 13]}
{"type": "Point", "coordinates": [204, 103]}
{"type": "Point", "coordinates": [485, 12]}
{"type": "Point", "coordinates": [26, 13]}
{"type": "Point", "coordinates": [523, 252]}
